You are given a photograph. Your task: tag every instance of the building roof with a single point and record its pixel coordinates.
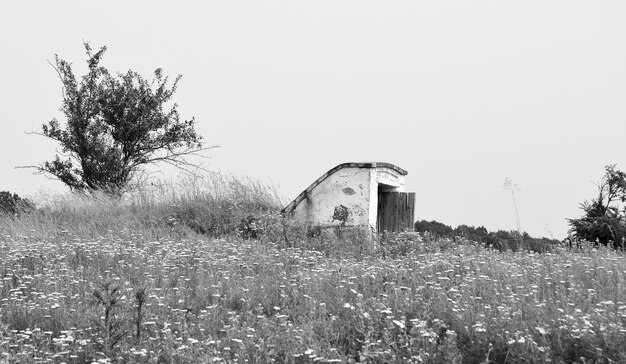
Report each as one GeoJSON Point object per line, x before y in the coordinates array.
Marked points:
{"type": "Point", "coordinates": [302, 196]}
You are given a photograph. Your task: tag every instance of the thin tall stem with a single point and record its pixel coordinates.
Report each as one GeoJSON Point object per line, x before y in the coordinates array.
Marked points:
{"type": "Point", "coordinates": [511, 187]}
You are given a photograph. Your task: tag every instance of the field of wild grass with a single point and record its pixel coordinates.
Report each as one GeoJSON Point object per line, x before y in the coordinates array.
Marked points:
{"type": "Point", "coordinates": [186, 277]}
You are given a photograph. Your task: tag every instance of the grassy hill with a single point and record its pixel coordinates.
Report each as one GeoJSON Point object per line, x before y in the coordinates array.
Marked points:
{"type": "Point", "coordinates": [209, 272]}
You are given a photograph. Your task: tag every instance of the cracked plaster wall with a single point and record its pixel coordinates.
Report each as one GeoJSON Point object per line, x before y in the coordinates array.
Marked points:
{"type": "Point", "coordinates": [342, 199]}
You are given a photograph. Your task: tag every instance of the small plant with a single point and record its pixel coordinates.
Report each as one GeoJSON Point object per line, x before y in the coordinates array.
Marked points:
{"type": "Point", "coordinates": [251, 227]}
{"type": "Point", "coordinates": [140, 298]}
{"type": "Point", "coordinates": [109, 297]}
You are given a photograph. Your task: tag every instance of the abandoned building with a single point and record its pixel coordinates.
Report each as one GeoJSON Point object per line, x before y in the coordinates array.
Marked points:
{"type": "Point", "coordinates": [357, 194]}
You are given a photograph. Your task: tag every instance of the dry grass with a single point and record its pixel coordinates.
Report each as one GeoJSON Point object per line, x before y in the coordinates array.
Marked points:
{"type": "Point", "coordinates": [114, 288]}
{"type": "Point", "coordinates": [215, 204]}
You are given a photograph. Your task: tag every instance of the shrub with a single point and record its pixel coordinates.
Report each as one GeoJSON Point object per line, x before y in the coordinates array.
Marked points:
{"type": "Point", "coordinates": [116, 125]}
{"type": "Point", "coordinates": [604, 220]}
{"type": "Point", "coordinates": [433, 227]}
{"type": "Point", "coordinates": [12, 204]}
{"type": "Point", "coordinates": [501, 240]}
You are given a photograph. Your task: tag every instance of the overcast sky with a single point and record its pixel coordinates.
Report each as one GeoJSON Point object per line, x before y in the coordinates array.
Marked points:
{"type": "Point", "coordinates": [462, 94]}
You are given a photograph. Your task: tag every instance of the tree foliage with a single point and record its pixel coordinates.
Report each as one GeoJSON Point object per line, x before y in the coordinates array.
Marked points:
{"type": "Point", "coordinates": [433, 227]}
{"type": "Point", "coordinates": [12, 204]}
{"type": "Point", "coordinates": [115, 125]}
{"type": "Point", "coordinates": [603, 221]}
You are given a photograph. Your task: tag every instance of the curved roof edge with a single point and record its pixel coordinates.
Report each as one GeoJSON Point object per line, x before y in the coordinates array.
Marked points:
{"type": "Point", "coordinates": [304, 194]}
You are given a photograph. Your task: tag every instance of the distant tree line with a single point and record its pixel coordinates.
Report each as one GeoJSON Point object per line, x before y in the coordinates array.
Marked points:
{"type": "Point", "coordinates": [501, 239]}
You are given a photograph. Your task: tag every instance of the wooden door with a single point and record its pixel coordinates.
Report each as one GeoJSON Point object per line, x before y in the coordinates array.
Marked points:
{"type": "Point", "coordinates": [396, 211]}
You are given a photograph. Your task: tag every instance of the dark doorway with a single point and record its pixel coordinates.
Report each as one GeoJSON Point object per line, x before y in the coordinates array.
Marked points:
{"type": "Point", "coordinates": [395, 211]}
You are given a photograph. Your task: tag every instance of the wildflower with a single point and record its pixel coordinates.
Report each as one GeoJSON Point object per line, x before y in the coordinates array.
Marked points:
{"type": "Point", "coordinates": [399, 324]}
